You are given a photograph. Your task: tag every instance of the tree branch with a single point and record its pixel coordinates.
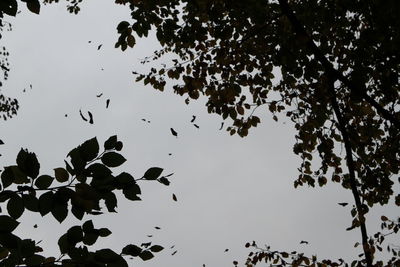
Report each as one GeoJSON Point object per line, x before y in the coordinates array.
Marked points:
{"type": "Point", "coordinates": [350, 165]}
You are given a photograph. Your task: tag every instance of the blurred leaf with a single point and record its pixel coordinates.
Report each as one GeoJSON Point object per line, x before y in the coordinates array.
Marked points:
{"type": "Point", "coordinates": [156, 248]}
{"type": "Point", "coordinates": [61, 174]}
{"type": "Point", "coordinates": [89, 149]}
{"type": "Point", "coordinates": [103, 232]}
{"type": "Point", "coordinates": [33, 6]}
{"type": "Point", "coordinates": [112, 159]}
{"type": "Point", "coordinates": [43, 181]}
{"type": "Point", "coordinates": [7, 224]}
{"type": "Point", "coordinates": [28, 163]}
{"type": "Point", "coordinates": [152, 173]}
{"type": "Point", "coordinates": [146, 255]}
{"type": "Point", "coordinates": [132, 250]}
{"type": "Point", "coordinates": [110, 142]}
{"type": "Point", "coordinates": [15, 206]}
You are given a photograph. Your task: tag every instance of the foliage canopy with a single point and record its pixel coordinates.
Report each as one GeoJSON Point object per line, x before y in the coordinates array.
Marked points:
{"type": "Point", "coordinates": [338, 63]}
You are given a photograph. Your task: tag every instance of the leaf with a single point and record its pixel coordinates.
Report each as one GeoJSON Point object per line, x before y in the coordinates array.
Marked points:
{"type": "Point", "coordinates": [61, 174]}
{"type": "Point", "coordinates": [131, 192]}
{"type": "Point", "coordinates": [89, 149]}
{"type": "Point", "coordinates": [15, 206]}
{"type": "Point", "coordinates": [156, 248]}
{"type": "Point", "coordinates": [343, 204]}
{"type": "Point", "coordinates": [174, 197]}
{"type": "Point", "coordinates": [28, 163]}
{"type": "Point", "coordinates": [193, 119]}
{"type": "Point", "coordinates": [103, 232]}
{"type": "Point", "coordinates": [90, 117]}
{"type": "Point", "coordinates": [31, 202]}
{"type": "Point", "coordinates": [164, 181]}
{"type": "Point", "coordinates": [111, 201]}
{"type": "Point", "coordinates": [110, 142]}
{"type": "Point", "coordinates": [7, 224]}
{"type": "Point", "coordinates": [83, 117]}
{"type": "Point", "coordinates": [131, 250]}
{"type": "Point", "coordinates": [33, 6]}
{"type": "Point", "coordinates": [152, 173]}
{"type": "Point", "coordinates": [146, 255]}
{"type": "Point", "coordinates": [75, 234]}
{"type": "Point", "coordinates": [107, 103]}
{"type": "Point", "coordinates": [1, 142]}
{"type": "Point", "coordinates": [173, 132]}
{"type": "Point", "coordinates": [43, 181]}
{"type": "Point", "coordinates": [60, 211]}
{"type": "Point", "coordinates": [106, 255]}
{"type": "Point", "coordinates": [46, 202]}
{"type": "Point", "coordinates": [112, 159]}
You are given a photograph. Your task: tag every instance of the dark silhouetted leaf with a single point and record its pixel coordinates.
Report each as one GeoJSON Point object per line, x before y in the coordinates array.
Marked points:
{"type": "Point", "coordinates": [156, 248]}
{"type": "Point", "coordinates": [7, 224]}
{"type": "Point", "coordinates": [43, 181]}
{"type": "Point", "coordinates": [110, 142]}
{"type": "Point", "coordinates": [90, 117]}
{"type": "Point", "coordinates": [15, 206]}
{"type": "Point", "coordinates": [107, 103]}
{"type": "Point", "coordinates": [46, 202]}
{"type": "Point", "coordinates": [28, 163]}
{"type": "Point", "coordinates": [146, 255]}
{"type": "Point", "coordinates": [173, 132]}
{"type": "Point", "coordinates": [193, 119]}
{"type": "Point", "coordinates": [131, 250]}
{"type": "Point", "coordinates": [61, 174]}
{"type": "Point", "coordinates": [112, 159]}
{"type": "Point", "coordinates": [31, 202]}
{"type": "Point", "coordinates": [152, 173]}
{"type": "Point", "coordinates": [98, 48]}
{"type": "Point", "coordinates": [83, 117]}
{"type": "Point", "coordinates": [89, 149]}
{"type": "Point", "coordinates": [60, 211]}
{"type": "Point", "coordinates": [33, 6]}
{"type": "Point", "coordinates": [174, 197]}
{"type": "Point", "coordinates": [99, 95]}
{"type": "Point", "coordinates": [103, 232]}
{"type": "Point", "coordinates": [343, 204]}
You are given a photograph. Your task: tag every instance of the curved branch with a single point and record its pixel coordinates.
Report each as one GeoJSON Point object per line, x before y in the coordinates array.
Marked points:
{"type": "Point", "coordinates": [350, 165]}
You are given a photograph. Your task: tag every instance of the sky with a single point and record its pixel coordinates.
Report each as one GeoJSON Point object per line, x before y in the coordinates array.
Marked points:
{"type": "Point", "coordinates": [229, 190]}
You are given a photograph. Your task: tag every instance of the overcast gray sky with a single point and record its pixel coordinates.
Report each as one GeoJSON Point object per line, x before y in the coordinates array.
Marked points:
{"type": "Point", "coordinates": [230, 190]}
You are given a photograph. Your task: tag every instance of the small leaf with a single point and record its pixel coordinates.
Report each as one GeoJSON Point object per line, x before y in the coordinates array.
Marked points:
{"type": "Point", "coordinates": [46, 202]}
{"type": "Point", "coordinates": [28, 163]}
{"type": "Point", "coordinates": [110, 142]}
{"type": "Point", "coordinates": [103, 232]}
{"type": "Point", "coordinates": [89, 149]}
{"type": "Point", "coordinates": [15, 206]}
{"type": "Point", "coordinates": [61, 174]}
{"type": "Point", "coordinates": [60, 211]}
{"type": "Point", "coordinates": [131, 250]}
{"type": "Point", "coordinates": [112, 159]}
{"type": "Point", "coordinates": [174, 197]}
{"type": "Point", "coordinates": [152, 173]}
{"type": "Point", "coordinates": [156, 248]}
{"type": "Point", "coordinates": [146, 255]}
{"type": "Point", "coordinates": [131, 192]}
{"type": "Point", "coordinates": [7, 224]}
{"type": "Point", "coordinates": [43, 181]}
{"type": "Point", "coordinates": [33, 6]}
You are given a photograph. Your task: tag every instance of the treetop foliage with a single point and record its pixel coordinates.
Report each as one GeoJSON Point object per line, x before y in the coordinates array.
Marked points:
{"type": "Point", "coordinates": [338, 63]}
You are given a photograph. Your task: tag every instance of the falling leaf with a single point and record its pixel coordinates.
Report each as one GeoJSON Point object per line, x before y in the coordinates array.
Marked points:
{"type": "Point", "coordinates": [83, 118]}
{"type": "Point", "coordinates": [149, 235]}
{"type": "Point", "coordinates": [1, 142]}
{"type": "Point", "coordinates": [89, 42]}
{"type": "Point", "coordinates": [195, 125]}
{"type": "Point", "coordinates": [174, 133]}
{"type": "Point", "coordinates": [169, 154]}
{"type": "Point", "coordinates": [35, 226]}
{"type": "Point", "coordinates": [172, 246]}
{"type": "Point", "coordinates": [303, 242]}
{"type": "Point", "coordinates": [222, 125]}
{"type": "Point", "coordinates": [174, 197]}
{"type": "Point", "coordinates": [226, 250]}
{"type": "Point", "coordinates": [66, 115]}
{"type": "Point", "coordinates": [107, 103]}
{"type": "Point", "coordinates": [157, 227]}
{"type": "Point", "coordinates": [144, 120]}
{"type": "Point", "coordinates": [194, 117]}
{"type": "Point", "coordinates": [343, 204]}
{"type": "Point", "coordinates": [173, 253]}
{"type": "Point", "coordinates": [98, 48]}
{"type": "Point", "coordinates": [90, 117]}
{"type": "Point", "coordinates": [99, 95]}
